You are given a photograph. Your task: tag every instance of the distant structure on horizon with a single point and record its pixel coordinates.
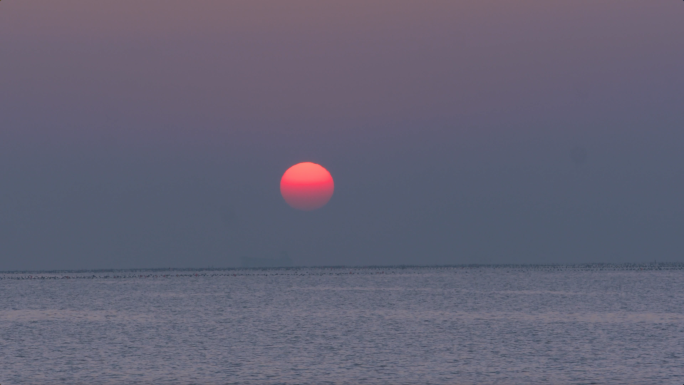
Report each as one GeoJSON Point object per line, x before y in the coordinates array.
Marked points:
{"type": "Point", "coordinates": [283, 261]}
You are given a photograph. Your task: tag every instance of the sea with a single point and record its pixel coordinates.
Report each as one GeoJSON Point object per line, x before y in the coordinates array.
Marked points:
{"type": "Point", "coordinates": [475, 324]}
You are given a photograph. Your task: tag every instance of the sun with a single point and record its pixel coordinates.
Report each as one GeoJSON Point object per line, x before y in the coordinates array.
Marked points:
{"type": "Point", "coordinates": [307, 186]}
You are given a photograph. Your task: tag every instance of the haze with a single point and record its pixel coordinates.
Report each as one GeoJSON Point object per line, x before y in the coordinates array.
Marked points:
{"type": "Point", "coordinates": [154, 134]}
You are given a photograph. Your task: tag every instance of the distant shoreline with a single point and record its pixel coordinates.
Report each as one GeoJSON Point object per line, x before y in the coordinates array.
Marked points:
{"type": "Point", "coordinates": [172, 271]}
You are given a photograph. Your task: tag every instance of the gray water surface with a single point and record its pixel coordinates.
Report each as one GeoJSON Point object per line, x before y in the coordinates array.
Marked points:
{"type": "Point", "coordinates": [452, 325]}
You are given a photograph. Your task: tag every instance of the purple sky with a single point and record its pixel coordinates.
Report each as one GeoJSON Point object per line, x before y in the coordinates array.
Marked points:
{"type": "Point", "coordinates": [154, 134]}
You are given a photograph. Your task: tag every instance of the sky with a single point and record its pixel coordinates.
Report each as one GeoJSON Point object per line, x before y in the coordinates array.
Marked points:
{"type": "Point", "coordinates": [154, 134]}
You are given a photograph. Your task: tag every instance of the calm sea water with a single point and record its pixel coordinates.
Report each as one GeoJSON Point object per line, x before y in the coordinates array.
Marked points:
{"type": "Point", "coordinates": [452, 325]}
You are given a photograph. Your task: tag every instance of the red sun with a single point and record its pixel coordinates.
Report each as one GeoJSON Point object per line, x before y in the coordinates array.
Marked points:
{"type": "Point", "coordinates": [307, 186]}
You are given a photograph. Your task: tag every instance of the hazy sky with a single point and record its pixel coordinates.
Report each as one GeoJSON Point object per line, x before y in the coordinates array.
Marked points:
{"type": "Point", "coordinates": [154, 133]}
